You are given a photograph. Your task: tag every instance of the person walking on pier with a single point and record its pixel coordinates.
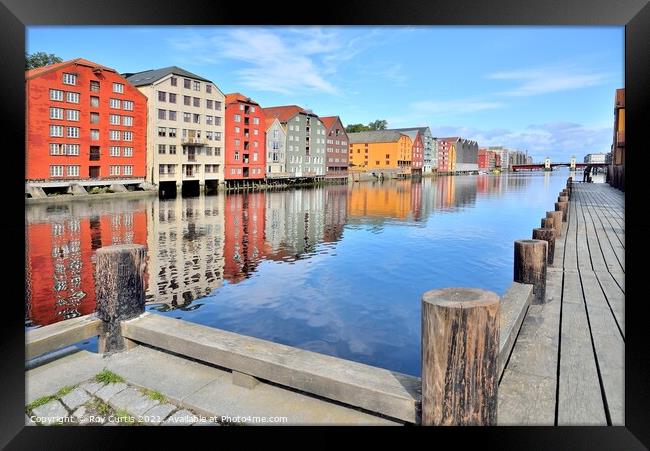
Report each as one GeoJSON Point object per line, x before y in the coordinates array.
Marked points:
{"type": "Point", "coordinates": [585, 174]}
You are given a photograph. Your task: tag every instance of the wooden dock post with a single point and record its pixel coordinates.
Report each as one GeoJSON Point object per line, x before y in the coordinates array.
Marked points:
{"type": "Point", "coordinates": [547, 234]}
{"type": "Point", "coordinates": [548, 223]}
{"type": "Point", "coordinates": [530, 266]}
{"type": "Point", "coordinates": [557, 221]}
{"type": "Point", "coordinates": [563, 198]}
{"type": "Point", "coordinates": [460, 347]}
{"type": "Point", "coordinates": [119, 290]}
{"type": "Point", "coordinates": [564, 208]}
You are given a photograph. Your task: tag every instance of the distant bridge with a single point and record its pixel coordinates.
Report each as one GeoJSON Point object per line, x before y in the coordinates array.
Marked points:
{"type": "Point", "coordinates": [542, 166]}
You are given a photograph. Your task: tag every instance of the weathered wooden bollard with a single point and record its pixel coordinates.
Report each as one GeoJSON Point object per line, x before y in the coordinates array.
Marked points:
{"type": "Point", "coordinates": [547, 234]}
{"type": "Point", "coordinates": [530, 266]}
{"type": "Point", "coordinates": [563, 198]}
{"type": "Point", "coordinates": [119, 290]}
{"type": "Point", "coordinates": [557, 221]}
{"type": "Point", "coordinates": [564, 208]}
{"type": "Point", "coordinates": [547, 223]}
{"type": "Point", "coordinates": [460, 347]}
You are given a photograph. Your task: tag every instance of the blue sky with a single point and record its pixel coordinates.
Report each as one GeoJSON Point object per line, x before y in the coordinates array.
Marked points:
{"type": "Point", "coordinates": [547, 90]}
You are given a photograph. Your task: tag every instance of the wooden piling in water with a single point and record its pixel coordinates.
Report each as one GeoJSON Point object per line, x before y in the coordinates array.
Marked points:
{"type": "Point", "coordinates": [548, 223]}
{"type": "Point", "coordinates": [119, 290]}
{"type": "Point", "coordinates": [562, 198]}
{"type": "Point", "coordinates": [547, 234]}
{"type": "Point", "coordinates": [564, 208]}
{"type": "Point", "coordinates": [460, 347]}
{"type": "Point", "coordinates": [530, 266]}
{"type": "Point", "coordinates": [557, 221]}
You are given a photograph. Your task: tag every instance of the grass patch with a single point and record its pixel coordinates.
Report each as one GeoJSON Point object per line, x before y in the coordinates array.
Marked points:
{"type": "Point", "coordinates": [45, 399]}
{"type": "Point", "coordinates": [100, 407]}
{"type": "Point", "coordinates": [39, 402]}
{"type": "Point", "coordinates": [155, 395]}
{"type": "Point", "coordinates": [108, 377]}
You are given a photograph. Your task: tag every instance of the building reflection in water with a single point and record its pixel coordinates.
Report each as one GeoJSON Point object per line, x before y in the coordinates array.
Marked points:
{"type": "Point", "coordinates": [60, 242]}
{"type": "Point", "coordinates": [195, 243]}
{"type": "Point", "coordinates": [185, 255]}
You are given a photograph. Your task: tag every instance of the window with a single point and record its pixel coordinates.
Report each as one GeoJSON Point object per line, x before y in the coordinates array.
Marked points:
{"type": "Point", "coordinates": [172, 133]}
{"type": "Point", "coordinates": [128, 136]}
{"type": "Point", "coordinates": [197, 86]}
{"type": "Point", "coordinates": [56, 149]}
{"type": "Point", "coordinates": [162, 114]}
{"type": "Point", "coordinates": [114, 151]}
{"type": "Point", "coordinates": [217, 151]}
{"type": "Point", "coordinates": [173, 81]}
{"type": "Point", "coordinates": [208, 135]}
{"type": "Point", "coordinates": [94, 134]}
{"type": "Point", "coordinates": [162, 96]}
{"type": "Point", "coordinates": [197, 118]}
{"type": "Point", "coordinates": [187, 117]}
{"type": "Point", "coordinates": [208, 120]}
{"type": "Point", "coordinates": [94, 101]}
{"type": "Point", "coordinates": [254, 156]}
{"type": "Point", "coordinates": [94, 86]}
{"type": "Point", "coordinates": [237, 142]}
{"type": "Point", "coordinates": [256, 132]}
{"type": "Point", "coordinates": [69, 79]}
{"type": "Point", "coordinates": [237, 129]}
{"type": "Point", "coordinates": [217, 105]}
{"type": "Point", "coordinates": [236, 156]}
{"type": "Point", "coordinates": [72, 97]}
{"type": "Point", "coordinates": [115, 103]}
{"type": "Point", "coordinates": [172, 97]}
{"type": "Point", "coordinates": [217, 136]}
{"type": "Point", "coordinates": [114, 135]}
{"type": "Point", "coordinates": [241, 107]}
{"type": "Point", "coordinates": [118, 87]}
{"type": "Point", "coordinates": [172, 149]}
{"type": "Point", "coordinates": [197, 101]}
{"type": "Point", "coordinates": [162, 149]}
{"type": "Point", "coordinates": [217, 120]}
{"type": "Point", "coordinates": [72, 115]}
{"type": "Point", "coordinates": [162, 131]}
{"type": "Point", "coordinates": [127, 120]}
{"type": "Point", "coordinates": [55, 94]}
{"type": "Point", "coordinates": [73, 132]}
{"type": "Point", "coordinates": [208, 89]}
{"type": "Point", "coordinates": [256, 121]}
{"type": "Point", "coordinates": [208, 151]}
{"type": "Point", "coordinates": [56, 171]}
{"type": "Point", "coordinates": [114, 170]}
{"type": "Point", "coordinates": [56, 113]}
{"type": "Point", "coordinates": [255, 144]}
{"type": "Point", "coordinates": [114, 119]}
{"type": "Point", "coordinates": [128, 151]}
{"type": "Point", "coordinates": [187, 100]}
{"type": "Point", "coordinates": [127, 170]}
{"type": "Point", "coordinates": [71, 149]}
{"type": "Point", "coordinates": [187, 83]}
{"type": "Point", "coordinates": [172, 115]}
{"type": "Point", "coordinates": [128, 105]}
{"type": "Point", "coordinates": [252, 109]}
{"type": "Point", "coordinates": [161, 168]}
{"type": "Point", "coordinates": [208, 104]}
{"type": "Point", "coordinates": [237, 118]}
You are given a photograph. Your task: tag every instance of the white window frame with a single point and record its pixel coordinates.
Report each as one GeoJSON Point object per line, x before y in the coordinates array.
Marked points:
{"type": "Point", "coordinates": [56, 94]}
{"type": "Point", "coordinates": [72, 97]}
{"type": "Point", "coordinates": [72, 132]}
{"type": "Point", "coordinates": [72, 115]}
{"type": "Point", "coordinates": [127, 170]}
{"type": "Point", "coordinates": [69, 79]}
{"type": "Point", "coordinates": [128, 136]}
{"type": "Point", "coordinates": [56, 170]}
{"type": "Point", "coordinates": [127, 105]}
{"type": "Point", "coordinates": [72, 170]}
{"type": "Point", "coordinates": [118, 88]}
{"type": "Point", "coordinates": [128, 151]}
{"type": "Point", "coordinates": [56, 113]}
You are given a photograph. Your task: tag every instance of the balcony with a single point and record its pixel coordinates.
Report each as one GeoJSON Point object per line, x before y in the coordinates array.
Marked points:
{"type": "Point", "coordinates": [193, 141]}
{"type": "Point", "coordinates": [191, 157]}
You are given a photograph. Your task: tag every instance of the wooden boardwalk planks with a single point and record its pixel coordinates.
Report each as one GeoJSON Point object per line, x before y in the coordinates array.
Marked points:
{"type": "Point", "coordinates": [567, 364]}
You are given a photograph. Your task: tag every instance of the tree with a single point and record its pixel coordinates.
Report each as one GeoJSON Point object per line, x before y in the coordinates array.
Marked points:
{"type": "Point", "coordinates": [40, 59]}
{"type": "Point", "coordinates": [379, 124]}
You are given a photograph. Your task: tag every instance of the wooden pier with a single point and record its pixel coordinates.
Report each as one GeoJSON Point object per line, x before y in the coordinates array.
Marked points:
{"type": "Point", "coordinates": [567, 364]}
{"type": "Point", "coordinates": [550, 351]}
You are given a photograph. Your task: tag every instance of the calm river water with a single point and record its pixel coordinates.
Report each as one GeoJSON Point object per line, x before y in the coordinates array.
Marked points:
{"type": "Point", "coordinates": [338, 270]}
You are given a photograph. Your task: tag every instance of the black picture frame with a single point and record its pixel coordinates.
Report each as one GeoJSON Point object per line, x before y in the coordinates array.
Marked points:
{"type": "Point", "coordinates": [15, 15]}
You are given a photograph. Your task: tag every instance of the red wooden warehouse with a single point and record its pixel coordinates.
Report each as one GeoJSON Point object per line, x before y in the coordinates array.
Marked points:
{"type": "Point", "coordinates": [86, 125]}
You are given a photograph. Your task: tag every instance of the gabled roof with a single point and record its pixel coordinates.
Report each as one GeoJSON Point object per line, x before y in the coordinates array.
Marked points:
{"type": "Point", "coordinates": [52, 67]}
{"type": "Point", "coordinates": [452, 139]}
{"type": "Point", "coordinates": [239, 97]}
{"type": "Point", "coordinates": [329, 121]}
{"type": "Point", "coordinates": [150, 76]}
{"type": "Point", "coordinates": [420, 129]}
{"type": "Point", "coordinates": [268, 122]}
{"type": "Point", "coordinates": [411, 133]}
{"type": "Point", "coordinates": [283, 113]}
{"type": "Point", "coordinates": [375, 136]}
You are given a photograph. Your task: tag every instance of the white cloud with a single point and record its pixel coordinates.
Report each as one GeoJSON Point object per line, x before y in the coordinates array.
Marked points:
{"type": "Point", "coordinates": [451, 107]}
{"type": "Point", "coordinates": [550, 79]}
{"type": "Point", "coordinates": [559, 141]}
